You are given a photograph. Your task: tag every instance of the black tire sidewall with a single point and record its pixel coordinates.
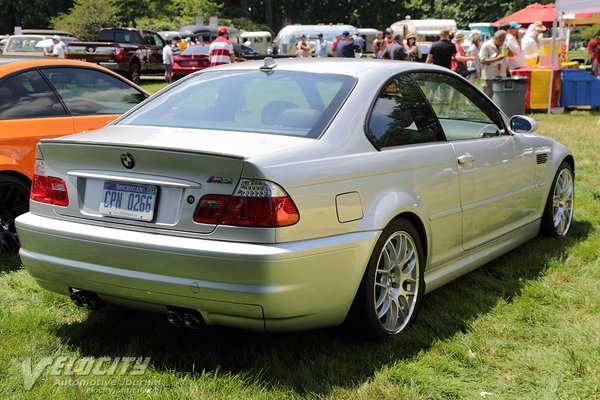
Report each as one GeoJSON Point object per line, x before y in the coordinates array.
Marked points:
{"type": "Point", "coordinates": [365, 307]}
{"type": "Point", "coordinates": [547, 225]}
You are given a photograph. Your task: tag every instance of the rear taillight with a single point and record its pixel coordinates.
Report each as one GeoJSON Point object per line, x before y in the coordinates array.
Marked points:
{"type": "Point", "coordinates": [254, 203]}
{"type": "Point", "coordinates": [48, 189]}
{"type": "Point", "coordinates": [119, 53]}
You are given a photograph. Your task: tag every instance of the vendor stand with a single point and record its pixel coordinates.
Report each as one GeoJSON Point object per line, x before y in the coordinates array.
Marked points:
{"type": "Point", "coordinates": [536, 97]}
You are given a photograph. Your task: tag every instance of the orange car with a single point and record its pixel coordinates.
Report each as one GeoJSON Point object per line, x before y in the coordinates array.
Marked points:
{"type": "Point", "coordinates": [45, 98]}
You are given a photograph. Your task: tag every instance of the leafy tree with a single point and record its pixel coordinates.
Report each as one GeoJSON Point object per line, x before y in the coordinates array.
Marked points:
{"type": "Point", "coordinates": [87, 17]}
{"type": "Point", "coordinates": [193, 8]}
{"type": "Point", "coordinates": [29, 13]}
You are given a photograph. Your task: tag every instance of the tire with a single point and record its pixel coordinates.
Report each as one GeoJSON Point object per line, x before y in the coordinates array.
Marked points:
{"type": "Point", "coordinates": [387, 303]}
{"type": "Point", "coordinates": [14, 201]}
{"type": "Point", "coordinates": [134, 72]}
{"type": "Point", "coordinates": [558, 213]}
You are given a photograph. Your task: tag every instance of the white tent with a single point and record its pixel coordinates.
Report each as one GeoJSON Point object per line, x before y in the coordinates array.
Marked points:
{"type": "Point", "coordinates": [564, 7]}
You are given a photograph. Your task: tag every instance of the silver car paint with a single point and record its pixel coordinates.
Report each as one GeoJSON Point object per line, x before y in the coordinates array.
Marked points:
{"type": "Point", "coordinates": [325, 257]}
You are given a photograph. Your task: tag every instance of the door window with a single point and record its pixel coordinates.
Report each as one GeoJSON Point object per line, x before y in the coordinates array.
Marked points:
{"type": "Point", "coordinates": [90, 92]}
{"type": "Point", "coordinates": [463, 112]}
{"type": "Point", "coordinates": [402, 116]}
{"type": "Point", "coordinates": [27, 95]}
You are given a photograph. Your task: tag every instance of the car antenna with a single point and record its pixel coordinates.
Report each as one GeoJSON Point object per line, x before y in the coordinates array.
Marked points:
{"type": "Point", "coordinates": [268, 65]}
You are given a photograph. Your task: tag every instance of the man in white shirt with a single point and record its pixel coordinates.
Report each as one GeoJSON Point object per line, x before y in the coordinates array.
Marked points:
{"type": "Point", "coordinates": [321, 47]}
{"type": "Point", "coordinates": [517, 60]}
{"type": "Point", "coordinates": [168, 61]}
{"type": "Point", "coordinates": [493, 61]}
{"type": "Point", "coordinates": [57, 49]}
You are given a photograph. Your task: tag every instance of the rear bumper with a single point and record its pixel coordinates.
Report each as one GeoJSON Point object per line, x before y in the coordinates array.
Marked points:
{"type": "Point", "coordinates": [275, 287]}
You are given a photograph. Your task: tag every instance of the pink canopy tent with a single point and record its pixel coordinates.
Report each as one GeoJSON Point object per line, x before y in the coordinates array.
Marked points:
{"type": "Point", "coordinates": [530, 14]}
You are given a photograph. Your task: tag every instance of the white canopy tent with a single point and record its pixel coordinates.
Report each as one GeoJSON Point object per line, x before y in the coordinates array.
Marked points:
{"type": "Point", "coordinates": [563, 8]}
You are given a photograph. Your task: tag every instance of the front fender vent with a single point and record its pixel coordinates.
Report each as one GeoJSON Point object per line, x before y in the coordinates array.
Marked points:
{"type": "Point", "coordinates": [541, 158]}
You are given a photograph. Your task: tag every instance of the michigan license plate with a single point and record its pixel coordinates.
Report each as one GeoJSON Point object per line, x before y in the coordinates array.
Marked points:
{"type": "Point", "coordinates": [128, 201]}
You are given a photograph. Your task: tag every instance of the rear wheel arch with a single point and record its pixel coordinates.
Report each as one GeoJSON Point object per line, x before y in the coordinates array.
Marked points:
{"type": "Point", "coordinates": [15, 174]}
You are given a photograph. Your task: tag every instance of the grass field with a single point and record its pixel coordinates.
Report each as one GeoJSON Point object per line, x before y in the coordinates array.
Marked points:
{"type": "Point", "coordinates": [526, 326]}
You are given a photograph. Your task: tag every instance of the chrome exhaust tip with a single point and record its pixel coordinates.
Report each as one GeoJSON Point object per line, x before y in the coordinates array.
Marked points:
{"type": "Point", "coordinates": [174, 319]}
{"type": "Point", "coordinates": [87, 300]}
{"type": "Point", "coordinates": [76, 299]}
{"type": "Point", "coordinates": [192, 321]}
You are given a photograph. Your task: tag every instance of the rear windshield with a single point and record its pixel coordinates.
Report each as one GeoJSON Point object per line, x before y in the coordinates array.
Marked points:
{"type": "Point", "coordinates": [273, 102]}
{"type": "Point", "coordinates": [196, 50]}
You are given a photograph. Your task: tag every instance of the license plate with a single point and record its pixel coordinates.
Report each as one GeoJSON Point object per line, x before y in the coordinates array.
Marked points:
{"type": "Point", "coordinates": [128, 201]}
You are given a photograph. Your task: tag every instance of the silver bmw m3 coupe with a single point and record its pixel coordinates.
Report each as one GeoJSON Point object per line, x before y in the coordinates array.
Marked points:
{"type": "Point", "coordinates": [285, 195]}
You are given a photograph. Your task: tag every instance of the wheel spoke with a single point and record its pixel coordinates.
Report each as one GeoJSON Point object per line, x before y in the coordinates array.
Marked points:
{"type": "Point", "coordinates": [385, 306]}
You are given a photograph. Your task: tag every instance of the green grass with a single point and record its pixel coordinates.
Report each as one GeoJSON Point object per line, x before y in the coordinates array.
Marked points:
{"type": "Point", "coordinates": [525, 326]}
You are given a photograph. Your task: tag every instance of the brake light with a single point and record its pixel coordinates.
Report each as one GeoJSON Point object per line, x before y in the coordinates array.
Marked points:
{"type": "Point", "coordinates": [48, 189]}
{"type": "Point", "coordinates": [254, 203]}
{"type": "Point", "coordinates": [119, 53]}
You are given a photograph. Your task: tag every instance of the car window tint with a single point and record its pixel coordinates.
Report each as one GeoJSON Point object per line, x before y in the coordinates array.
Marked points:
{"type": "Point", "coordinates": [277, 102]}
{"type": "Point", "coordinates": [463, 112]}
{"type": "Point", "coordinates": [90, 92]}
{"type": "Point", "coordinates": [402, 116]}
{"type": "Point", "coordinates": [27, 95]}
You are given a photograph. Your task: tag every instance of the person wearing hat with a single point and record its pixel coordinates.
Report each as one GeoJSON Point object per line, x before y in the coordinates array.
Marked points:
{"type": "Point", "coordinates": [347, 47]}
{"type": "Point", "coordinates": [303, 49]}
{"type": "Point", "coordinates": [529, 43]}
{"type": "Point", "coordinates": [516, 58]}
{"type": "Point", "coordinates": [320, 48]}
{"type": "Point", "coordinates": [411, 44]}
{"type": "Point", "coordinates": [460, 58]}
{"type": "Point", "coordinates": [221, 49]}
{"type": "Point", "coordinates": [442, 51]}
{"type": "Point", "coordinates": [57, 49]}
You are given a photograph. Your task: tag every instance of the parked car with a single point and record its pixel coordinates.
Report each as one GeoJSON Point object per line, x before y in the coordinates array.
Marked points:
{"type": "Point", "coordinates": [195, 58]}
{"type": "Point", "coordinates": [282, 196]}
{"type": "Point", "coordinates": [128, 51]}
{"type": "Point", "coordinates": [45, 98]}
{"type": "Point", "coordinates": [26, 45]}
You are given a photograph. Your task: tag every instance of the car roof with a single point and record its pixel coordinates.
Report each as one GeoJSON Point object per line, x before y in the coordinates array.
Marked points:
{"type": "Point", "coordinates": [339, 66]}
{"type": "Point", "coordinates": [10, 65]}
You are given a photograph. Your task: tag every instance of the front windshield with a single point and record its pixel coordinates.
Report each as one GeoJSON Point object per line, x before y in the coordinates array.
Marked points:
{"type": "Point", "coordinates": [272, 102]}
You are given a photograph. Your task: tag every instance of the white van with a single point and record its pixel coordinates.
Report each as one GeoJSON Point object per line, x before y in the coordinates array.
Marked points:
{"type": "Point", "coordinates": [259, 40]}
{"type": "Point", "coordinates": [285, 42]}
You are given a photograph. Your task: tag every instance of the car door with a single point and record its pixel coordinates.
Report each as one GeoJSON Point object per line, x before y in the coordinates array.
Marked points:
{"type": "Point", "coordinates": [93, 97]}
{"type": "Point", "coordinates": [405, 129]}
{"type": "Point", "coordinates": [495, 168]}
{"type": "Point", "coordinates": [29, 111]}
{"type": "Point", "coordinates": [154, 45]}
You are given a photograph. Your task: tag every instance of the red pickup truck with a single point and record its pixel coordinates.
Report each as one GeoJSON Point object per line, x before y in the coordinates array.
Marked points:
{"type": "Point", "coordinates": [128, 51]}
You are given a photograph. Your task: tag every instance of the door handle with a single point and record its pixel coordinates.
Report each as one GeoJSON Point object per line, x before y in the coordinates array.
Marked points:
{"type": "Point", "coordinates": [465, 158]}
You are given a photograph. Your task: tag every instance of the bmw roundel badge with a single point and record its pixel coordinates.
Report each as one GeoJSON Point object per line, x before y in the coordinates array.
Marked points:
{"type": "Point", "coordinates": [127, 160]}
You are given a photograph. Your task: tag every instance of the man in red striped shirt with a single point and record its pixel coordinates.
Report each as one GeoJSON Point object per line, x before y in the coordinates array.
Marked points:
{"type": "Point", "coordinates": [221, 49]}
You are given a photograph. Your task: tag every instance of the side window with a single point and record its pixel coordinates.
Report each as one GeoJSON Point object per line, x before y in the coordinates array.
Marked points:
{"type": "Point", "coordinates": [402, 116]}
{"type": "Point", "coordinates": [90, 92]}
{"type": "Point", "coordinates": [27, 95]}
{"type": "Point", "coordinates": [157, 40]}
{"type": "Point", "coordinates": [463, 112]}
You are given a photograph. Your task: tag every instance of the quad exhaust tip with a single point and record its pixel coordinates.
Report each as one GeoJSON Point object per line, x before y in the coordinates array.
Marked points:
{"type": "Point", "coordinates": [179, 316]}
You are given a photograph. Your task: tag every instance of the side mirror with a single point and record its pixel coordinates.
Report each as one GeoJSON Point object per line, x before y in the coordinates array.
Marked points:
{"type": "Point", "coordinates": [521, 124]}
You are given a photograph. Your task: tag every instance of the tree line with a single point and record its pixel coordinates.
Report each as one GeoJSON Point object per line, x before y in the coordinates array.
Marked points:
{"type": "Point", "coordinates": [84, 17]}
